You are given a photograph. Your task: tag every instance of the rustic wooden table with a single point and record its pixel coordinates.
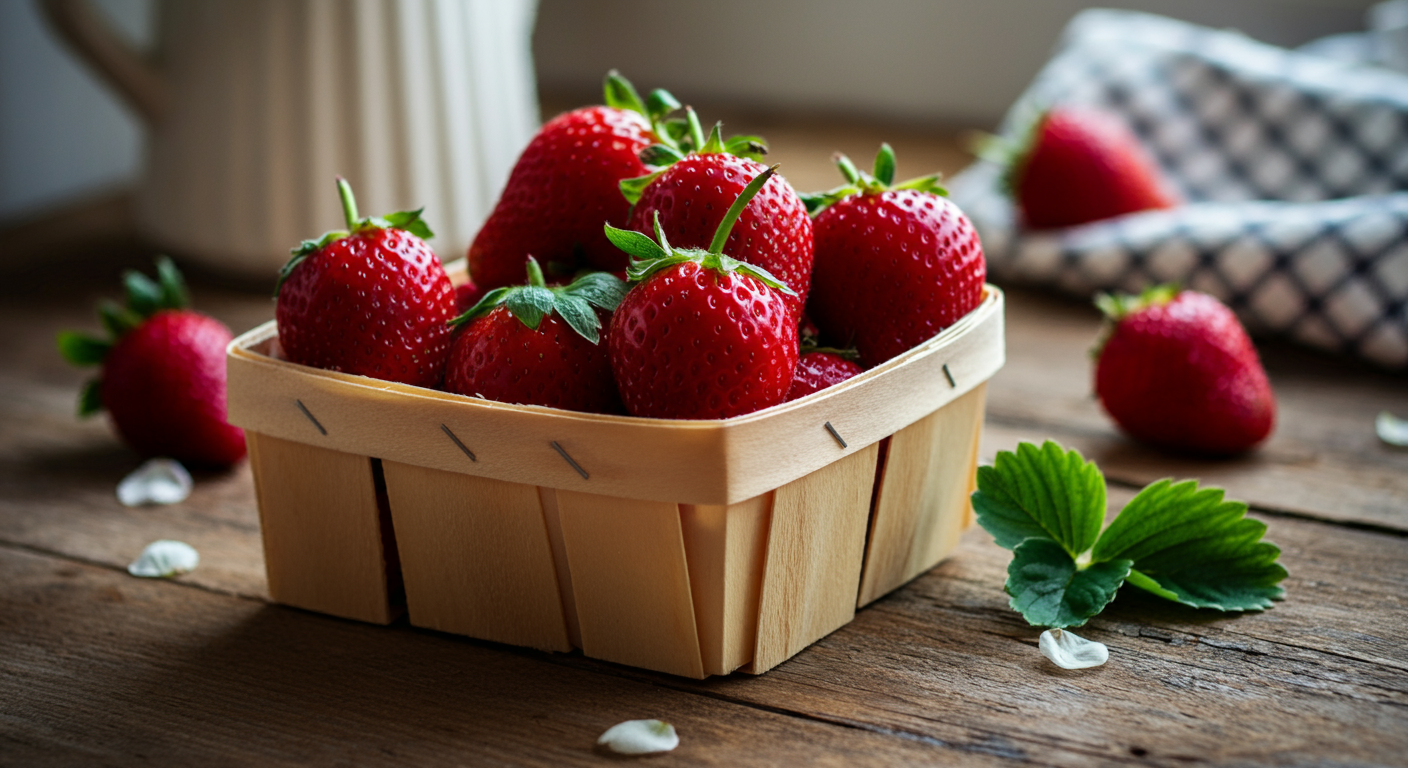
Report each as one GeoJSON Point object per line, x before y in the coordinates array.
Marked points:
{"type": "Point", "coordinates": [97, 667]}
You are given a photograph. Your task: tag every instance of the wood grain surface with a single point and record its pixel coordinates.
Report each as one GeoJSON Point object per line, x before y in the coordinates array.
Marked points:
{"type": "Point", "coordinates": [99, 668]}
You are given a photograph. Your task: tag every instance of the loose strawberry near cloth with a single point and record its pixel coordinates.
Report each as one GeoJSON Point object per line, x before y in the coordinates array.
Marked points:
{"type": "Point", "coordinates": [1290, 170]}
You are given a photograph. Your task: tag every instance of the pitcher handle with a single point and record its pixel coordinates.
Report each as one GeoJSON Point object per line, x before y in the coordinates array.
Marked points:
{"type": "Point", "coordinates": [114, 60]}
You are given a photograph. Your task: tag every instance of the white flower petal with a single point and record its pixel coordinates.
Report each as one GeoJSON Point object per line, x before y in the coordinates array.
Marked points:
{"type": "Point", "coordinates": [1068, 650]}
{"type": "Point", "coordinates": [159, 481]}
{"type": "Point", "coordinates": [165, 558]}
{"type": "Point", "coordinates": [1391, 429]}
{"type": "Point", "coordinates": [640, 737]}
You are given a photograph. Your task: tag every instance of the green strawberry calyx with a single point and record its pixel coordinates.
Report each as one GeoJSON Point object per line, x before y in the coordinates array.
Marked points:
{"type": "Point", "coordinates": [573, 302]}
{"type": "Point", "coordinates": [1118, 306]}
{"type": "Point", "coordinates": [681, 137]}
{"type": "Point", "coordinates": [409, 221]}
{"type": "Point", "coordinates": [144, 298]}
{"type": "Point", "coordinates": [1012, 152]}
{"type": "Point", "coordinates": [650, 256]}
{"type": "Point", "coordinates": [880, 179]}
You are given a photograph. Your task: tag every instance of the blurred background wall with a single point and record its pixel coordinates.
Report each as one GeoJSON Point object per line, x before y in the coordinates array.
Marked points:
{"type": "Point", "coordinates": [945, 63]}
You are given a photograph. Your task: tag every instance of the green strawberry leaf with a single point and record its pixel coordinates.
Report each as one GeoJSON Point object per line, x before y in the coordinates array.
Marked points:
{"type": "Point", "coordinates": [660, 154]}
{"type": "Point", "coordinates": [601, 289]}
{"type": "Point", "coordinates": [409, 221]}
{"type": "Point", "coordinates": [930, 184]}
{"type": "Point", "coordinates": [676, 130]}
{"type": "Point", "coordinates": [620, 94]}
{"type": "Point", "coordinates": [659, 103]}
{"type": "Point", "coordinates": [81, 350]}
{"type": "Point", "coordinates": [173, 287]}
{"type": "Point", "coordinates": [90, 398]}
{"type": "Point", "coordinates": [577, 313]}
{"type": "Point", "coordinates": [529, 304]}
{"type": "Point", "coordinates": [638, 246]}
{"type": "Point", "coordinates": [1049, 590]}
{"type": "Point", "coordinates": [117, 321]}
{"type": "Point", "coordinates": [885, 165]}
{"type": "Point", "coordinates": [1045, 492]}
{"type": "Point", "coordinates": [143, 295]}
{"type": "Point", "coordinates": [1192, 546]}
{"type": "Point", "coordinates": [633, 188]}
{"type": "Point", "coordinates": [715, 143]}
{"type": "Point", "coordinates": [752, 147]}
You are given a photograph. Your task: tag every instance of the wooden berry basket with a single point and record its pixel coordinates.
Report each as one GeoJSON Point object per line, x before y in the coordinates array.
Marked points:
{"type": "Point", "coordinates": [690, 547]}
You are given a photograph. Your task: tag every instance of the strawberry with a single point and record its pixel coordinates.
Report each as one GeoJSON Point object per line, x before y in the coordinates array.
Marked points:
{"type": "Point", "coordinates": [1082, 165]}
{"type": "Point", "coordinates": [466, 296]}
{"type": "Point", "coordinates": [536, 345]}
{"type": "Point", "coordinates": [895, 265]}
{"type": "Point", "coordinates": [564, 186]}
{"type": "Point", "coordinates": [1177, 370]}
{"type": "Point", "coordinates": [700, 335]}
{"type": "Point", "coordinates": [817, 371]}
{"type": "Point", "coordinates": [373, 300]}
{"type": "Point", "coordinates": [693, 192]}
{"type": "Point", "coordinates": [163, 373]}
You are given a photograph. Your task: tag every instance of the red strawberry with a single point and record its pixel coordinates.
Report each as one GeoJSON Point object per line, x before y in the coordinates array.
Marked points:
{"type": "Point", "coordinates": [700, 335]}
{"type": "Point", "coordinates": [373, 300]}
{"type": "Point", "coordinates": [163, 373]}
{"type": "Point", "coordinates": [466, 296]}
{"type": "Point", "coordinates": [1082, 165]}
{"type": "Point", "coordinates": [818, 370]}
{"type": "Point", "coordinates": [536, 345]}
{"type": "Point", "coordinates": [1177, 370]}
{"type": "Point", "coordinates": [692, 194]}
{"type": "Point", "coordinates": [565, 185]}
{"type": "Point", "coordinates": [894, 265]}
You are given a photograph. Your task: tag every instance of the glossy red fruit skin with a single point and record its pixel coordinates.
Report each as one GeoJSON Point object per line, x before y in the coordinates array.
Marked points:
{"type": "Point", "coordinates": [374, 304]}
{"type": "Point", "coordinates": [561, 191]}
{"type": "Point", "coordinates": [817, 371]}
{"type": "Point", "coordinates": [774, 232]}
{"type": "Point", "coordinates": [499, 358]}
{"type": "Point", "coordinates": [692, 343]}
{"type": "Point", "coordinates": [1085, 166]}
{"type": "Point", "coordinates": [164, 388]}
{"type": "Point", "coordinates": [1184, 376]}
{"type": "Point", "coordinates": [893, 269]}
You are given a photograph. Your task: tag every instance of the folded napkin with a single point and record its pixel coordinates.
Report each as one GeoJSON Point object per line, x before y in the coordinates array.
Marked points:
{"type": "Point", "coordinates": [1295, 169]}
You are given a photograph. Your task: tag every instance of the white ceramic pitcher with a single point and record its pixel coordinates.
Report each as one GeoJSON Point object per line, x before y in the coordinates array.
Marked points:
{"type": "Point", "coordinates": [254, 106]}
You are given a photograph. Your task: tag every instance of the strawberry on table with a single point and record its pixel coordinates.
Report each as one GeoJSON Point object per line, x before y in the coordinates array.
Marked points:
{"type": "Point", "coordinates": [535, 345]}
{"type": "Point", "coordinates": [564, 186]}
{"type": "Point", "coordinates": [691, 195]}
{"type": "Point", "coordinates": [895, 264]}
{"type": "Point", "coordinates": [1177, 370]}
{"type": "Point", "coordinates": [1079, 165]}
{"type": "Point", "coordinates": [163, 373]}
{"type": "Point", "coordinates": [371, 300]}
{"type": "Point", "coordinates": [700, 335]}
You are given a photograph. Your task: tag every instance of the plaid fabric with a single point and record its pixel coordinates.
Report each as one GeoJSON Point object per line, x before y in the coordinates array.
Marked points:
{"type": "Point", "coordinates": [1295, 169]}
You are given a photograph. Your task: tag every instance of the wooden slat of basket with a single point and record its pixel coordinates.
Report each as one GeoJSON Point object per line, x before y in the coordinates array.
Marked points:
{"type": "Point", "coordinates": [923, 506]}
{"type": "Point", "coordinates": [318, 513]}
{"type": "Point", "coordinates": [727, 549]}
{"type": "Point", "coordinates": [815, 548]}
{"type": "Point", "coordinates": [475, 556]}
{"type": "Point", "coordinates": [630, 581]}
{"type": "Point", "coordinates": [548, 498]}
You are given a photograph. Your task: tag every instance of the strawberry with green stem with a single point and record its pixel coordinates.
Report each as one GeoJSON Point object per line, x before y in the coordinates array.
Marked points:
{"type": "Point", "coordinates": [536, 345]}
{"type": "Point", "coordinates": [701, 335]}
{"type": "Point", "coordinates": [694, 191]}
{"type": "Point", "coordinates": [564, 186]}
{"type": "Point", "coordinates": [372, 300]}
{"type": "Point", "coordinates": [163, 372]}
{"type": "Point", "coordinates": [895, 263]}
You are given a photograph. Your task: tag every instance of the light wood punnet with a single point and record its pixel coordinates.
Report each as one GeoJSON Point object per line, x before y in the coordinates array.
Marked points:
{"type": "Point", "coordinates": [690, 547]}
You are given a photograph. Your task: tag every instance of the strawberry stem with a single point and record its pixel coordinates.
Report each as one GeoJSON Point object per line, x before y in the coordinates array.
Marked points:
{"type": "Point", "coordinates": [349, 203]}
{"type": "Point", "coordinates": [734, 211]}
{"type": "Point", "coordinates": [535, 274]}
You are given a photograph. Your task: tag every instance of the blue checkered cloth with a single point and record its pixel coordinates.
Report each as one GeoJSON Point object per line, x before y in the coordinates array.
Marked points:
{"type": "Point", "coordinates": [1295, 169]}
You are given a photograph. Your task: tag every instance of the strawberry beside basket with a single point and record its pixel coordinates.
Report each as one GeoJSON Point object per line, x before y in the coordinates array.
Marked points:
{"type": "Point", "coordinates": [690, 547]}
